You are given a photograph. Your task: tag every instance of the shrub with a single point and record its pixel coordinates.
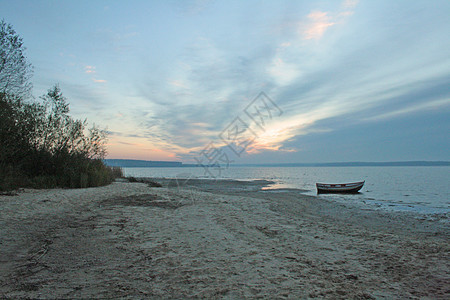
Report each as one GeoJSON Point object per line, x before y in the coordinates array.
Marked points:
{"type": "Point", "coordinates": [11, 178]}
{"type": "Point", "coordinates": [43, 182]}
{"type": "Point", "coordinates": [116, 172]}
{"type": "Point", "coordinates": [132, 179]}
{"type": "Point", "coordinates": [152, 183]}
{"type": "Point", "coordinates": [149, 182]}
{"type": "Point", "coordinates": [44, 147]}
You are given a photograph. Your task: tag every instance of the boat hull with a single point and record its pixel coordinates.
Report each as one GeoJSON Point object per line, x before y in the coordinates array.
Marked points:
{"type": "Point", "coordinates": [342, 188]}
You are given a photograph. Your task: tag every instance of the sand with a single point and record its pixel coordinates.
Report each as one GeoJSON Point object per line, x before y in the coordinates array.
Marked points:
{"type": "Point", "coordinates": [221, 240]}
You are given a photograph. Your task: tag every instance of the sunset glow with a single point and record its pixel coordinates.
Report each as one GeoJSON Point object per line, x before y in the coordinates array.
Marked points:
{"type": "Point", "coordinates": [168, 78]}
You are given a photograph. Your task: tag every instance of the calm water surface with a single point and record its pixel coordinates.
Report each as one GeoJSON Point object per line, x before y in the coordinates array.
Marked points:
{"type": "Point", "coordinates": [420, 189]}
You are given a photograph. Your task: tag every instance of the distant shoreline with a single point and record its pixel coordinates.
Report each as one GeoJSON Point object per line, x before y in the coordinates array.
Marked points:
{"type": "Point", "coordinates": [130, 163]}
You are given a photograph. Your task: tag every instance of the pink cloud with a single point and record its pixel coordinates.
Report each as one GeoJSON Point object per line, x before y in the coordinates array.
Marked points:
{"type": "Point", "coordinates": [319, 23]}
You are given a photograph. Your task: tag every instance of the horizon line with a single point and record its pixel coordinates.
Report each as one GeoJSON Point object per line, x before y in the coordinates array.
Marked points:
{"type": "Point", "coordinates": [345, 163]}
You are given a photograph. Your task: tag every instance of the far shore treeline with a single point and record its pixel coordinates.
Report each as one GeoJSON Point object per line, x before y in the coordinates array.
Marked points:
{"type": "Point", "coordinates": [133, 163]}
{"type": "Point", "coordinates": [41, 145]}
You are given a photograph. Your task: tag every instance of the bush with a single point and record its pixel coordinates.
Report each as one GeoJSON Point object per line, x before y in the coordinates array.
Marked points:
{"type": "Point", "coordinates": [44, 182]}
{"type": "Point", "coordinates": [43, 147]}
{"type": "Point", "coordinates": [132, 179]}
{"type": "Point", "coordinates": [11, 178]}
{"type": "Point", "coordinates": [117, 172]}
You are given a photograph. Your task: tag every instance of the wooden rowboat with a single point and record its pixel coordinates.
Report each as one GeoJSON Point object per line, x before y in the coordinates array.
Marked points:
{"type": "Point", "coordinates": [352, 187]}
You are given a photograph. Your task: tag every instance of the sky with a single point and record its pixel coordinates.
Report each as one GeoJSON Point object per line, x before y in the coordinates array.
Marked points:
{"type": "Point", "coordinates": [248, 81]}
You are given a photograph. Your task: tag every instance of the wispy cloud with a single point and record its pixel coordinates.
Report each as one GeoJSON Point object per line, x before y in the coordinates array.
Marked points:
{"type": "Point", "coordinates": [192, 7]}
{"type": "Point", "coordinates": [92, 70]}
{"type": "Point", "coordinates": [420, 107]}
{"type": "Point", "coordinates": [89, 70]}
{"type": "Point", "coordinates": [318, 23]}
{"type": "Point", "coordinates": [178, 83]}
{"type": "Point", "coordinates": [350, 4]}
{"type": "Point", "coordinates": [283, 73]}
{"type": "Point", "coordinates": [317, 71]}
{"type": "Point", "coordinates": [222, 85]}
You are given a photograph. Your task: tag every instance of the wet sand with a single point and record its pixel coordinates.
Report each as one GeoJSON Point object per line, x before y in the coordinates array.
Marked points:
{"type": "Point", "coordinates": [214, 239]}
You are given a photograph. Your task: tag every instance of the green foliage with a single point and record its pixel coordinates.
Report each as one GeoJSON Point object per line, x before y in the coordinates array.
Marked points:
{"type": "Point", "coordinates": [15, 71]}
{"type": "Point", "coordinates": [11, 178]}
{"type": "Point", "coordinates": [117, 172]}
{"type": "Point", "coordinates": [41, 145]}
{"type": "Point", "coordinates": [58, 132]}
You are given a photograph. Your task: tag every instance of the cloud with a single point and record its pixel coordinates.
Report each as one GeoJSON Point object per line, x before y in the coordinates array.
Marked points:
{"type": "Point", "coordinates": [191, 7]}
{"type": "Point", "coordinates": [350, 4]}
{"type": "Point", "coordinates": [420, 107]}
{"type": "Point", "coordinates": [129, 144]}
{"type": "Point", "coordinates": [319, 22]}
{"type": "Point", "coordinates": [220, 86]}
{"type": "Point", "coordinates": [124, 134]}
{"type": "Point", "coordinates": [283, 73]}
{"type": "Point", "coordinates": [85, 97]}
{"type": "Point", "coordinates": [89, 70]}
{"type": "Point", "coordinates": [374, 102]}
{"type": "Point", "coordinates": [98, 80]}
{"type": "Point", "coordinates": [321, 86]}
{"type": "Point", "coordinates": [120, 41]}
{"type": "Point", "coordinates": [178, 83]}
{"type": "Point", "coordinates": [411, 98]}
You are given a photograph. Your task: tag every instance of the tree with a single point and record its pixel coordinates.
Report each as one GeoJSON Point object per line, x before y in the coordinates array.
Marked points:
{"type": "Point", "coordinates": [41, 145]}
{"type": "Point", "coordinates": [15, 71]}
{"type": "Point", "coordinates": [18, 127]}
{"type": "Point", "coordinates": [60, 133]}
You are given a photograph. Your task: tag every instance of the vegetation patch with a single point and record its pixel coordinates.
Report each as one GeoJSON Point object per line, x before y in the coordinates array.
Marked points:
{"type": "Point", "coordinates": [149, 182]}
{"type": "Point", "coordinates": [42, 146]}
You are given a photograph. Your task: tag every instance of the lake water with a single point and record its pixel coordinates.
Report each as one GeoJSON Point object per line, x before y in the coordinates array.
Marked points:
{"type": "Point", "coordinates": [419, 189]}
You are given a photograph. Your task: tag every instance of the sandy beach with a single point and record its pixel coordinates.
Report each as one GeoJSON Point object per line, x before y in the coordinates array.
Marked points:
{"type": "Point", "coordinates": [215, 239]}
